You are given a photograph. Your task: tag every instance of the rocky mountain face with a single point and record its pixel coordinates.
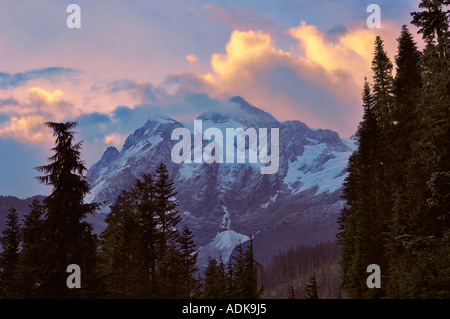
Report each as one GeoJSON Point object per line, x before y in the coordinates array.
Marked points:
{"type": "Point", "coordinates": [224, 203]}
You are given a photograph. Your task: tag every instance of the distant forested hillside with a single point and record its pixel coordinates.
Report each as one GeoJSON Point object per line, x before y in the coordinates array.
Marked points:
{"type": "Point", "coordinates": [22, 206]}
{"type": "Point", "coordinates": [288, 273]}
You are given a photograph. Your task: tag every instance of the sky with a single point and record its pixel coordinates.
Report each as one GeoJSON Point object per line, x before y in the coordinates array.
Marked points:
{"type": "Point", "coordinates": [131, 59]}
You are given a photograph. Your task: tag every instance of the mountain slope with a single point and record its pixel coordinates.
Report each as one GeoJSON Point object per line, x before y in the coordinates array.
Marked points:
{"type": "Point", "coordinates": [225, 203]}
{"type": "Point", "coordinates": [23, 207]}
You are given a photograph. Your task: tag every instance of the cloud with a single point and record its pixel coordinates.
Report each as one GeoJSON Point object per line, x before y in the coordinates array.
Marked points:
{"type": "Point", "coordinates": [26, 129]}
{"type": "Point", "coordinates": [114, 139]}
{"type": "Point", "coordinates": [309, 84]}
{"type": "Point", "coordinates": [8, 101]}
{"type": "Point", "coordinates": [121, 85]}
{"type": "Point", "coordinates": [8, 80]}
{"type": "Point", "coordinates": [25, 118]}
{"type": "Point", "coordinates": [192, 59]}
{"type": "Point", "coordinates": [52, 105]}
{"type": "Point", "coordinates": [112, 128]}
{"type": "Point", "coordinates": [318, 80]}
{"type": "Point", "coordinates": [94, 118]}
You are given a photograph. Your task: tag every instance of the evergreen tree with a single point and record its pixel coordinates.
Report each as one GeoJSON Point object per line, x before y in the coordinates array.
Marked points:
{"type": "Point", "coordinates": [143, 254]}
{"type": "Point", "coordinates": [166, 204]}
{"type": "Point", "coordinates": [405, 131]}
{"type": "Point", "coordinates": [409, 173]}
{"type": "Point", "coordinates": [215, 280]}
{"type": "Point", "coordinates": [67, 237]}
{"type": "Point", "coordinates": [188, 273]}
{"type": "Point", "coordinates": [377, 230]}
{"type": "Point", "coordinates": [423, 243]}
{"type": "Point", "coordinates": [9, 258]}
{"type": "Point", "coordinates": [144, 199]}
{"type": "Point", "coordinates": [238, 273]}
{"type": "Point", "coordinates": [311, 288]}
{"type": "Point", "coordinates": [244, 274]}
{"type": "Point", "coordinates": [382, 84]}
{"type": "Point", "coordinates": [433, 23]}
{"type": "Point", "coordinates": [122, 275]}
{"type": "Point", "coordinates": [250, 276]}
{"type": "Point", "coordinates": [167, 219]}
{"type": "Point", "coordinates": [31, 250]}
{"type": "Point", "coordinates": [407, 90]}
{"type": "Point", "coordinates": [360, 226]}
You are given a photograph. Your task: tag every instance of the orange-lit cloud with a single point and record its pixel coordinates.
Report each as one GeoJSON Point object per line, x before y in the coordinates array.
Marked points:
{"type": "Point", "coordinates": [114, 139]}
{"type": "Point", "coordinates": [245, 53]}
{"type": "Point", "coordinates": [353, 50]}
{"type": "Point", "coordinates": [38, 95]}
{"type": "Point", "coordinates": [28, 128]}
{"type": "Point", "coordinates": [37, 106]}
{"type": "Point", "coordinates": [318, 82]}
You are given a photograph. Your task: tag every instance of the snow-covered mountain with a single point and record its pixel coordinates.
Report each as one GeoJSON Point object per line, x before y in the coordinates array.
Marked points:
{"type": "Point", "coordinates": [224, 203]}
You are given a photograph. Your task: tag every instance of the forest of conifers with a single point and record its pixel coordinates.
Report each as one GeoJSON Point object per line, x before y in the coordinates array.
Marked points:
{"type": "Point", "coordinates": [397, 193]}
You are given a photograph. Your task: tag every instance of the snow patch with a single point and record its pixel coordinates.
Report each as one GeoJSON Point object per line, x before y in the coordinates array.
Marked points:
{"type": "Point", "coordinates": [350, 142]}
{"type": "Point", "coordinates": [330, 176]}
{"type": "Point", "coordinates": [225, 241]}
{"type": "Point", "coordinates": [271, 200]}
{"type": "Point", "coordinates": [94, 191]}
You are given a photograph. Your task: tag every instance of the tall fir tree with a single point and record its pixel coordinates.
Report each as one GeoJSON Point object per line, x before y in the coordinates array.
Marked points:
{"type": "Point", "coordinates": [167, 219]}
{"type": "Point", "coordinates": [215, 280]}
{"type": "Point", "coordinates": [359, 222]}
{"type": "Point", "coordinates": [122, 275]}
{"type": "Point", "coordinates": [433, 23]}
{"type": "Point", "coordinates": [383, 106]}
{"type": "Point", "coordinates": [425, 241]}
{"type": "Point", "coordinates": [382, 84]}
{"type": "Point", "coordinates": [250, 276]}
{"type": "Point", "coordinates": [405, 131]}
{"type": "Point", "coordinates": [67, 237]}
{"type": "Point", "coordinates": [9, 257]}
{"type": "Point", "coordinates": [188, 273]}
{"type": "Point", "coordinates": [29, 268]}
{"type": "Point", "coordinates": [144, 199]}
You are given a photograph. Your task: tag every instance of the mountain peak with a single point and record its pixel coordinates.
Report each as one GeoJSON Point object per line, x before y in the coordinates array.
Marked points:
{"type": "Point", "coordinates": [245, 113]}
{"type": "Point", "coordinates": [239, 100]}
{"type": "Point", "coordinates": [109, 155]}
{"type": "Point", "coordinates": [160, 118]}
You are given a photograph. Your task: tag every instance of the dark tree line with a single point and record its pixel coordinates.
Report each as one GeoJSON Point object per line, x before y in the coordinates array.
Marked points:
{"type": "Point", "coordinates": [289, 273]}
{"type": "Point", "coordinates": [142, 253]}
{"type": "Point", "coordinates": [397, 193]}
